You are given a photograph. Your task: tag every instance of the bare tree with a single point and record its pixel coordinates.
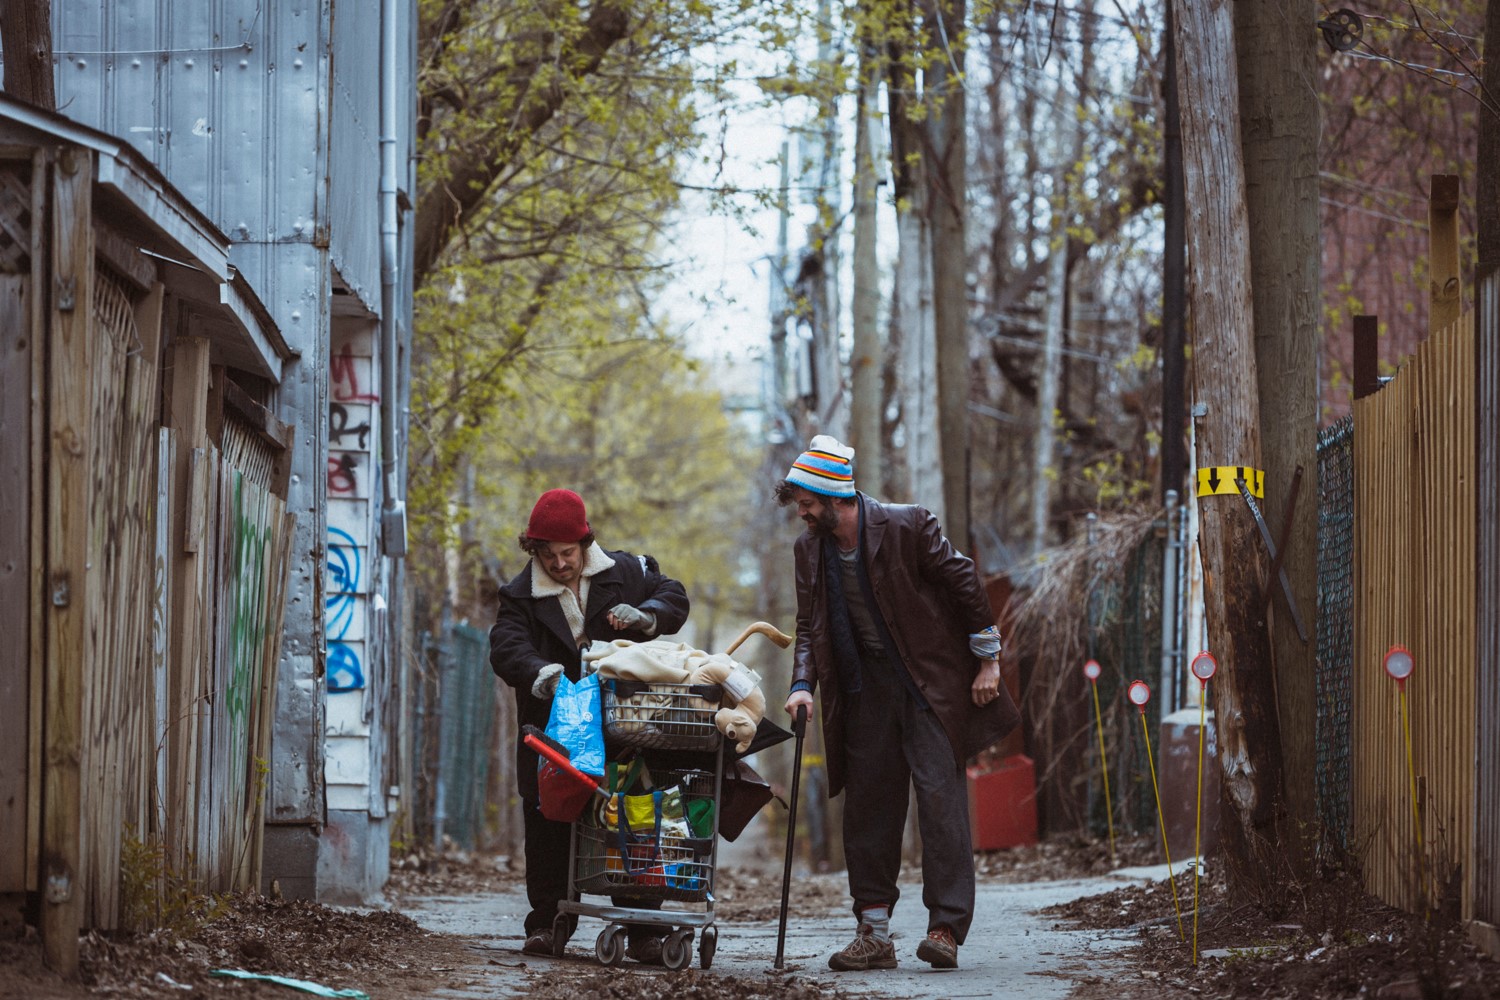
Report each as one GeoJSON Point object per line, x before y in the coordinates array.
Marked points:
{"type": "Point", "coordinates": [948, 208]}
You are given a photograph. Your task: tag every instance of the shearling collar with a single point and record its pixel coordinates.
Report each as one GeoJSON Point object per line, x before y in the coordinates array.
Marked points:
{"type": "Point", "coordinates": [542, 585]}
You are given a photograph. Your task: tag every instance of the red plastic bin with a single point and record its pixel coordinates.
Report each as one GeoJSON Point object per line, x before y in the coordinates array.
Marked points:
{"type": "Point", "coordinates": [1002, 804]}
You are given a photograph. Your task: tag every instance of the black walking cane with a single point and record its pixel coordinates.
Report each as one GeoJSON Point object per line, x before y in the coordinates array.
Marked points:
{"type": "Point", "coordinates": [800, 728]}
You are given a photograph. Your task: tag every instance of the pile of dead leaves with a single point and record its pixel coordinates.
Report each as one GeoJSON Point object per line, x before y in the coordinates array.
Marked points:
{"type": "Point", "coordinates": [301, 940]}
{"type": "Point", "coordinates": [1324, 939]}
{"type": "Point", "coordinates": [1066, 857]}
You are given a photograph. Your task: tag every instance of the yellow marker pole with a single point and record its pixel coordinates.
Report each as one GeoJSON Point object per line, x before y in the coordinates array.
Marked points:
{"type": "Point", "coordinates": [1203, 668]}
{"type": "Point", "coordinates": [1198, 825]}
{"type": "Point", "coordinates": [1092, 670]}
{"type": "Point", "coordinates": [1139, 693]}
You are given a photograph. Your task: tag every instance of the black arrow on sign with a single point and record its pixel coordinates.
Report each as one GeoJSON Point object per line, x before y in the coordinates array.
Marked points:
{"type": "Point", "coordinates": [1213, 479]}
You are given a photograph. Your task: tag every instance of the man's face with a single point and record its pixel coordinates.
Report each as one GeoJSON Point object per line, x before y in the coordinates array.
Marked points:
{"type": "Point", "coordinates": [563, 561]}
{"type": "Point", "coordinates": [817, 513]}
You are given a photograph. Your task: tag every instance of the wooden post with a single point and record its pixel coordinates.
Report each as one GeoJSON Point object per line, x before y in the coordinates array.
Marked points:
{"type": "Point", "coordinates": [71, 362]}
{"type": "Point", "coordinates": [1446, 288]}
{"type": "Point", "coordinates": [187, 415]}
{"type": "Point", "coordinates": [15, 577]}
{"type": "Point", "coordinates": [1366, 356]}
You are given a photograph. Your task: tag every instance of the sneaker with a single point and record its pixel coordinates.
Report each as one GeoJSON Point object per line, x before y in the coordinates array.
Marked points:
{"type": "Point", "coordinates": [864, 952]}
{"type": "Point", "coordinates": [538, 942]}
{"type": "Point", "coordinates": [938, 949]}
{"type": "Point", "coordinates": [646, 950]}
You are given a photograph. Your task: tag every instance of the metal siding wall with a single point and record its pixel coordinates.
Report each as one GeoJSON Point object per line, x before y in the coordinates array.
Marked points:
{"type": "Point", "coordinates": [1486, 857]}
{"type": "Point", "coordinates": [354, 153]}
{"type": "Point", "coordinates": [1414, 482]}
{"type": "Point", "coordinates": [227, 98]}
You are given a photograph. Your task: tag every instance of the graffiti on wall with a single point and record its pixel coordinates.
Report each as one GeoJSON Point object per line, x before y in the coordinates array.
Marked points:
{"type": "Point", "coordinates": [351, 436]}
{"type": "Point", "coordinates": [343, 610]}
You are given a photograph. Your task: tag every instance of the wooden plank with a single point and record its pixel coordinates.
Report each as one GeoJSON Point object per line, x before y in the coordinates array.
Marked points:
{"type": "Point", "coordinates": [209, 679]}
{"type": "Point", "coordinates": [162, 646]}
{"type": "Point", "coordinates": [286, 533]}
{"type": "Point", "coordinates": [105, 675]}
{"type": "Point", "coordinates": [71, 360]}
{"type": "Point", "coordinates": [124, 255]}
{"type": "Point", "coordinates": [40, 316]}
{"type": "Point", "coordinates": [1366, 356]}
{"type": "Point", "coordinates": [271, 430]}
{"type": "Point", "coordinates": [15, 574]}
{"type": "Point", "coordinates": [186, 417]}
{"type": "Point", "coordinates": [215, 410]}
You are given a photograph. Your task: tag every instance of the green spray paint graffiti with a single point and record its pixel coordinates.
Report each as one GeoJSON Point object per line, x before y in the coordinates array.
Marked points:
{"type": "Point", "coordinates": [250, 545]}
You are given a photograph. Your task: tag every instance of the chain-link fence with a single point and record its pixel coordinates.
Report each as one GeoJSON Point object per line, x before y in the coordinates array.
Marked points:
{"type": "Point", "coordinates": [466, 736]}
{"type": "Point", "coordinates": [1335, 624]}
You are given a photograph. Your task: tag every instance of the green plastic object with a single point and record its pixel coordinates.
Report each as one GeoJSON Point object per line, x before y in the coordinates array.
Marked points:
{"type": "Point", "coordinates": [315, 989]}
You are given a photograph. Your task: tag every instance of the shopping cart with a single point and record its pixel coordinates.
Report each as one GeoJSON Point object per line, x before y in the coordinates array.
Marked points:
{"type": "Point", "coordinates": [671, 728]}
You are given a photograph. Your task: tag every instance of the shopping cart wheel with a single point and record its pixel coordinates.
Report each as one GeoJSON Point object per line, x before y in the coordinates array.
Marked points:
{"type": "Point", "coordinates": [677, 949]}
{"type": "Point", "coordinates": [560, 932]}
{"type": "Point", "coordinates": [707, 945]}
{"type": "Point", "coordinates": [609, 948]}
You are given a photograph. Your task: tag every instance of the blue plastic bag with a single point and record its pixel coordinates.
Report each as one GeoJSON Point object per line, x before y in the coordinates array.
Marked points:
{"type": "Point", "coordinates": [576, 723]}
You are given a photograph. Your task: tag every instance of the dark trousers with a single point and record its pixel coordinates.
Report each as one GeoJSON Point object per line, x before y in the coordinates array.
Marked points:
{"type": "Point", "coordinates": [547, 874]}
{"type": "Point", "coordinates": [892, 745]}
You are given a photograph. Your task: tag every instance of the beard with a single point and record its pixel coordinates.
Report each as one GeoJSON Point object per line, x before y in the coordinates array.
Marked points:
{"type": "Point", "coordinates": [825, 522]}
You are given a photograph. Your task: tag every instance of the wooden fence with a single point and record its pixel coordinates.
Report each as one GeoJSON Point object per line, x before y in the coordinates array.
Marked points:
{"type": "Point", "coordinates": [143, 577]}
{"type": "Point", "coordinates": [1414, 458]}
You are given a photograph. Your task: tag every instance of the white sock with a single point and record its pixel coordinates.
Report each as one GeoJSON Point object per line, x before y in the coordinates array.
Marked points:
{"type": "Point", "coordinates": [878, 919]}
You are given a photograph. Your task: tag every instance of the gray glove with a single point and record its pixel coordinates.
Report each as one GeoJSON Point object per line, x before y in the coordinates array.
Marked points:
{"type": "Point", "coordinates": [634, 618]}
{"type": "Point", "coordinates": [546, 681]}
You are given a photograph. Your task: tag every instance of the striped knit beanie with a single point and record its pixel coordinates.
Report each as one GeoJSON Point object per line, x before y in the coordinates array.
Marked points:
{"type": "Point", "coordinates": [826, 467]}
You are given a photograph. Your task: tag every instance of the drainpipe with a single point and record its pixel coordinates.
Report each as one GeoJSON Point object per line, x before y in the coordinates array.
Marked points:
{"type": "Point", "coordinates": [393, 513]}
{"type": "Point", "coordinates": [1171, 557]}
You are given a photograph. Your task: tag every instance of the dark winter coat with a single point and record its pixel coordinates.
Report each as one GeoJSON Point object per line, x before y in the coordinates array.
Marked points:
{"type": "Point", "coordinates": [931, 599]}
{"type": "Point", "coordinates": [531, 632]}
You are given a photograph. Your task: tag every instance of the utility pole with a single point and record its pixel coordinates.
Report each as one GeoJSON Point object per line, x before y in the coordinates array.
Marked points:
{"type": "Point", "coordinates": [1228, 434]}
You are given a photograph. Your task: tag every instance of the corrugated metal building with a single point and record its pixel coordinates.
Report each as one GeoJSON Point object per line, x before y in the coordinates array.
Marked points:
{"type": "Point", "coordinates": [279, 120]}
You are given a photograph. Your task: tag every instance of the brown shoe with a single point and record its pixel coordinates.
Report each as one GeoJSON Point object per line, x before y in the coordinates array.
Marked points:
{"type": "Point", "coordinates": [864, 952]}
{"type": "Point", "coordinates": [538, 942]}
{"type": "Point", "coordinates": [938, 949]}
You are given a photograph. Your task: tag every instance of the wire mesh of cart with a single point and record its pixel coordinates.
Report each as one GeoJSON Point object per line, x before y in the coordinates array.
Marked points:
{"type": "Point", "coordinates": [667, 856]}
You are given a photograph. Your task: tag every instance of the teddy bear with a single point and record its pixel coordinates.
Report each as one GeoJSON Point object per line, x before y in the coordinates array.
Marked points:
{"type": "Point", "coordinates": [745, 704]}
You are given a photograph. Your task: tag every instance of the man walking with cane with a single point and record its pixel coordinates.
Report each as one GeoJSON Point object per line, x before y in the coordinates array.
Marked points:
{"type": "Point", "coordinates": [894, 627]}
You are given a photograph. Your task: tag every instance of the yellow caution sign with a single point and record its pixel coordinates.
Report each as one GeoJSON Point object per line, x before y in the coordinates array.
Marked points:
{"type": "Point", "coordinates": [1221, 479]}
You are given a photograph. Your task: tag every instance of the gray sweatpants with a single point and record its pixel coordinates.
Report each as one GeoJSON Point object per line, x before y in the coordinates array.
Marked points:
{"type": "Point", "coordinates": [890, 744]}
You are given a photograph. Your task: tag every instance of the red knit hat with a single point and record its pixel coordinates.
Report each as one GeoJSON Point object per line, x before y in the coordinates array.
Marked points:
{"type": "Point", "coordinates": [558, 517]}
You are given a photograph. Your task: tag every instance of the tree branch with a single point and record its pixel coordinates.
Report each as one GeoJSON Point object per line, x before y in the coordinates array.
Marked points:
{"type": "Point", "coordinates": [442, 211]}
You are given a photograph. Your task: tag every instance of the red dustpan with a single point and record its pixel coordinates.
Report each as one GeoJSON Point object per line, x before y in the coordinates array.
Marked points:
{"type": "Point", "coordinates": [564, 790]}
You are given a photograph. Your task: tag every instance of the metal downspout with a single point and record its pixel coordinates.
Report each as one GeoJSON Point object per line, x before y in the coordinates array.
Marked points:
{"type": "Point", "coordinates": [1171, 556]}
{"type": "Point", "coordinates": [393, 513]}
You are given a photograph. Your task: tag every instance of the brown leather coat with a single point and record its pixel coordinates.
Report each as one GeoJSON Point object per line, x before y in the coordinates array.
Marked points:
{"type": "Point", "coordinates": [931, 598]}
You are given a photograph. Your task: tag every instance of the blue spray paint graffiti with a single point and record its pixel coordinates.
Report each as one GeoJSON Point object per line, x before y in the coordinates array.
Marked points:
{"type": "Point", "coordinates": [345, 672]}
